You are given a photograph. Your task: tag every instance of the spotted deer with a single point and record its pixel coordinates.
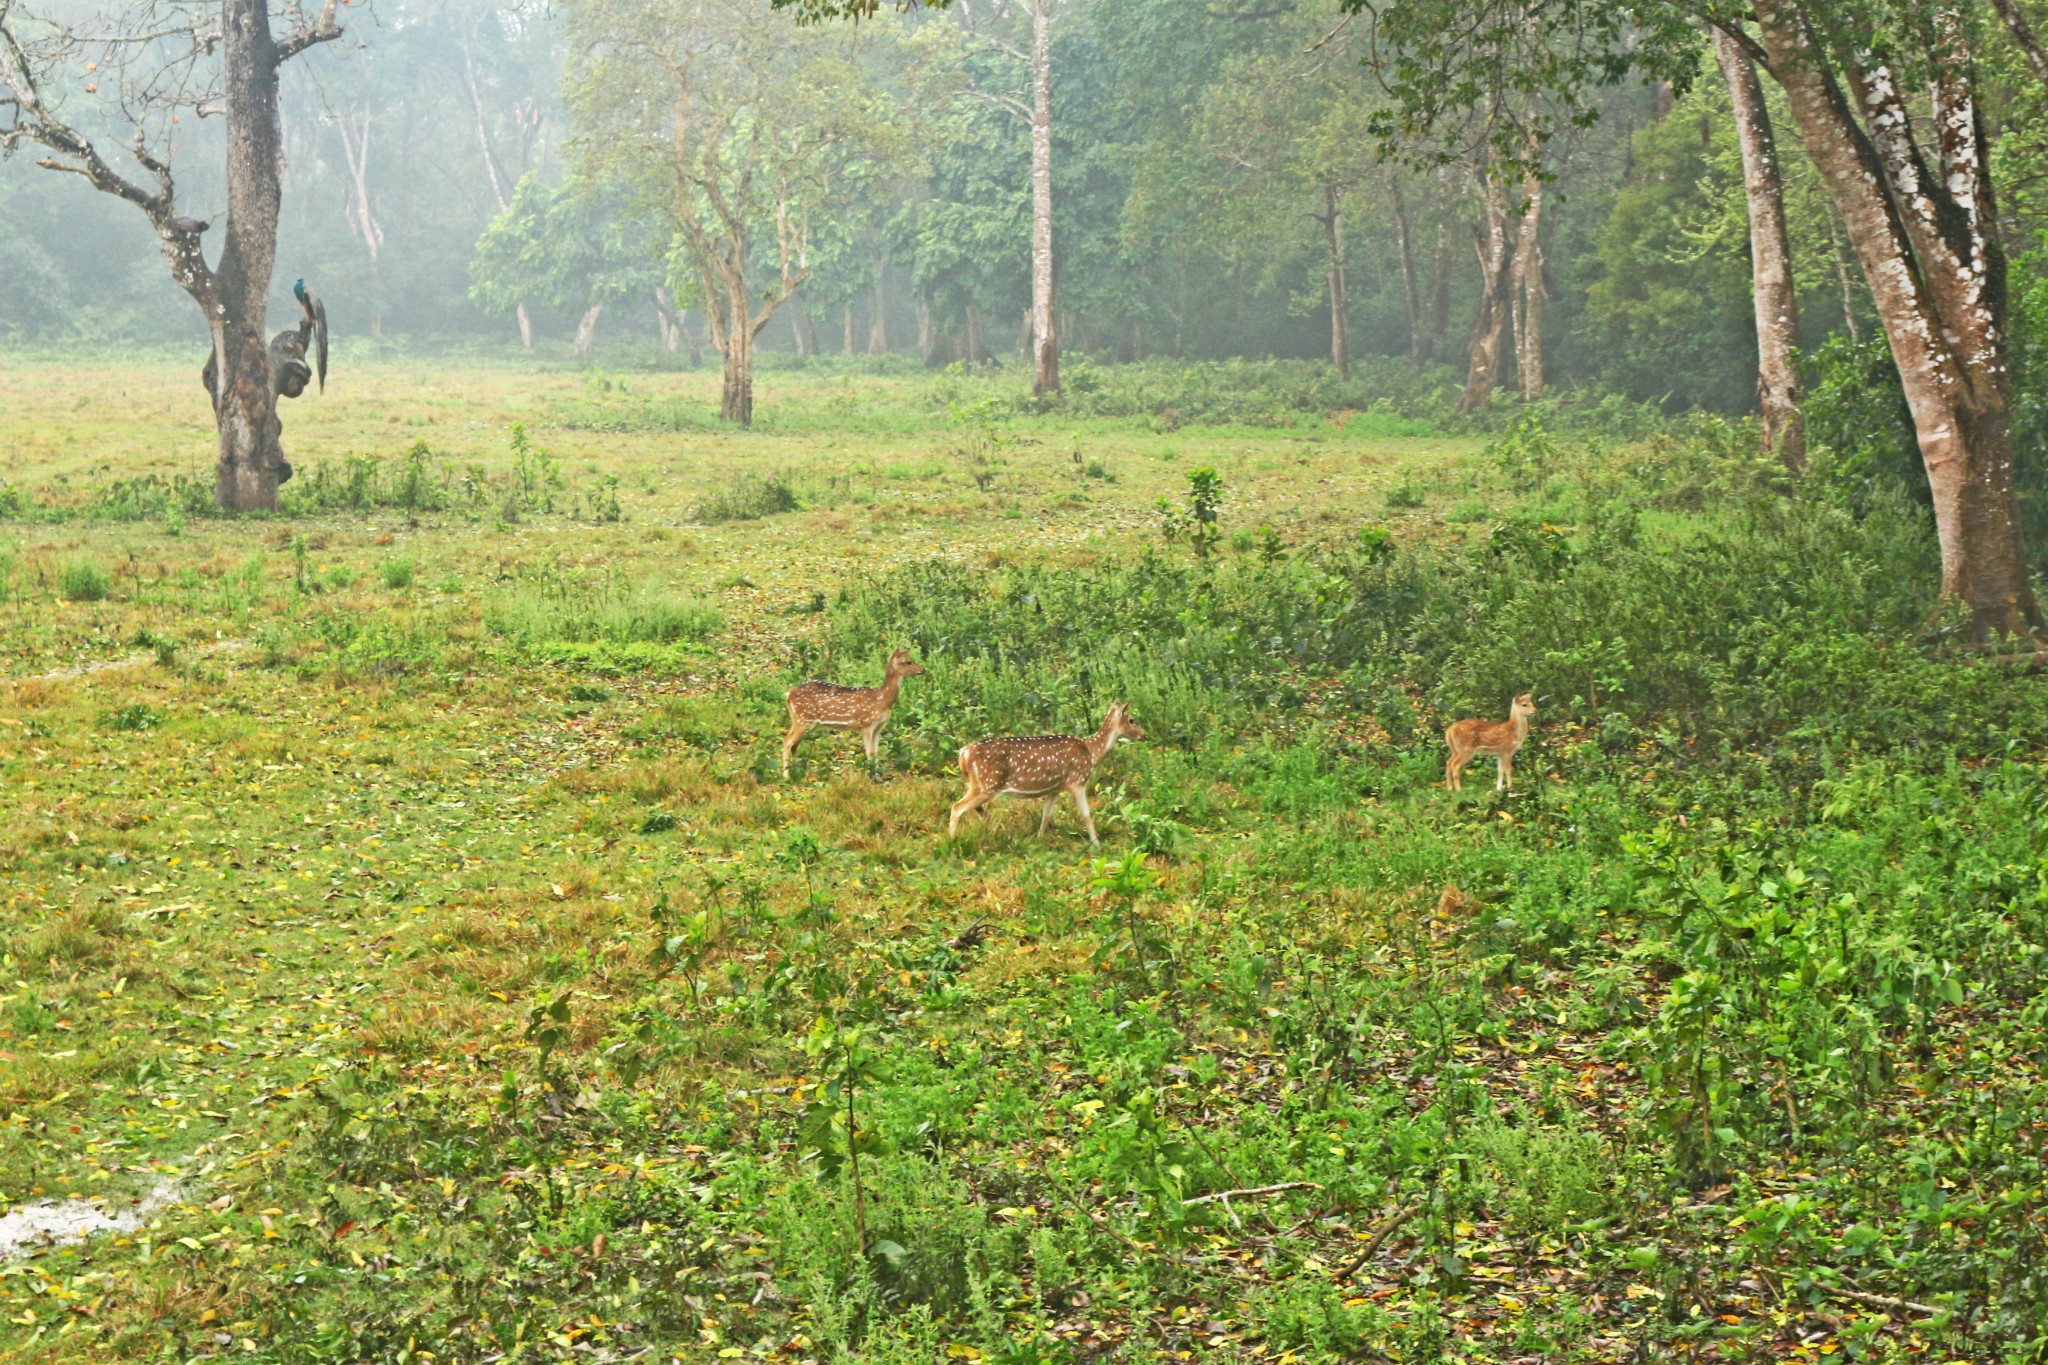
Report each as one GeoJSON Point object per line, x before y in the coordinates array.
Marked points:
{"type": "Point", "coordinates": [1500, 738]}
{"type": "Point", "coordinates": [829, 706]}
{"type": "Point", "coordinates": [1041, 767]}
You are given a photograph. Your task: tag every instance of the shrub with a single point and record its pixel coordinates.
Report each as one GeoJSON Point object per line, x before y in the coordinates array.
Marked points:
{"type": "Point", "coordinates": [84, 580]}
{"type": "Point", "coordinates": [1785, 628]}
{"type": "Point", "coordinates": [613, 613]}
{"type": "Point", "coordinates": [396, 573]}
{"type": "Point", "coordinates": [747, 497]}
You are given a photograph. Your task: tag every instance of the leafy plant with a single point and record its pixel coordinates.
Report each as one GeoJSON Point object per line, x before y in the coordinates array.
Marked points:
{"type": "Point", "coordinates": [84, 580]}
{"type": "Point", "coordinates": [1196, 520]}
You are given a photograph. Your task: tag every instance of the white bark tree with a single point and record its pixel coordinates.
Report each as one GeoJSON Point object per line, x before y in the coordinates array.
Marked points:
{"type": "Point", "coordinates": [1770, 257]}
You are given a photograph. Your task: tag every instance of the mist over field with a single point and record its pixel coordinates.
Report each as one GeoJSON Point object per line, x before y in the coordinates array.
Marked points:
{"type": "Point", "coordinates": [1031, 681]}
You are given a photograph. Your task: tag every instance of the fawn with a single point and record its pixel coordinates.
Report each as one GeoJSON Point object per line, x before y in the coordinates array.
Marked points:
{"type": "Point", "coordinates": [1499, 738]}
{"type": "Point", "coordinates": [829, 706]}
{"type": "Point", "coordinates": [1040, 766]}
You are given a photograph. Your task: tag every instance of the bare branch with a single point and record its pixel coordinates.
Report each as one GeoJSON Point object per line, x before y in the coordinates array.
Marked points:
{"type": "Point", "coordinates": [1007, 103]}
{"type": "Point", "coordinates": [323, 30]}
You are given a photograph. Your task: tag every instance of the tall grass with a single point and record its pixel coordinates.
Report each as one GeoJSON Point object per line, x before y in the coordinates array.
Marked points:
{"type": "Point", "coordinates": [614, 613]}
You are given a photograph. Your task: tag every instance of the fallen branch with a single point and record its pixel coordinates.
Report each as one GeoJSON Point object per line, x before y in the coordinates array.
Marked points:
{"type": "Point", "coordinates": [1379, 1239]}
{"type": "Point", "coordinates": [1884, 1301]}
{"type": "Point", "coordinates": [1227, 1195]}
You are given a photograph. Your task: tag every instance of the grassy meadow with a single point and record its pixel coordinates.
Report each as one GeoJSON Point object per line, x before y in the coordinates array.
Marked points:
{"type": "Point", "coordinates": [401, 894]}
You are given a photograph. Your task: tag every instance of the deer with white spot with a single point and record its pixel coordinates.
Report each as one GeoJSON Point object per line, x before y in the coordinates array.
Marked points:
{"type": "Point", "coordinates": [1040, 767]}
{"type": "Point", "coordinates": [1499, 738]}
{"type": "Point", "coordinates": [830, 706]}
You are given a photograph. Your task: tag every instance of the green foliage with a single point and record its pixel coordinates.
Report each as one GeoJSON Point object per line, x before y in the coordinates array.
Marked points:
{"type": "Point", "coordinates": [84, 579]}
{"type": "Point", "coordinates": [1857, 423]}
{"type": "Point", "coordinates": [396, 572]}
{"type": "Point", "coordinates": [1671, 300]}
{"type": "Point", "coordinates": [746, 496]}
{"type": "Point", "coordinates": [554, 609]}
{"type": "Point", "coordinates": [1196, 520]}
{"type": "Point", "coordinates": [536, 475]}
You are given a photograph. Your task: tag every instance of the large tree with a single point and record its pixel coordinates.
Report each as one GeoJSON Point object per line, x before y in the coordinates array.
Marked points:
{"type": "Point", "coordinates": [737, 125]}
{"type": "Point", "coordinates": [158, 62]}
{"type": "Point", "coordinates": [1886, 98]}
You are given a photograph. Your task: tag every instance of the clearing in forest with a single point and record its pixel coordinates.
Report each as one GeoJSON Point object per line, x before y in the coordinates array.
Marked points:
{"type": "Point", "coordinates": [402, 895]}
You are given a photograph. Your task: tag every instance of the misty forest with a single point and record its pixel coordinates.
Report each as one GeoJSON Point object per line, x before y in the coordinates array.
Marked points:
{"type": "Point", "coordinates": [1460, 576]}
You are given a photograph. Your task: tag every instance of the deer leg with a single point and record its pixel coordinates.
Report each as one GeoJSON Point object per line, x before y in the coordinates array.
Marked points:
{"type": "Point", "coordinates": [1454, 771]}
{"type": "Point", "coordinates": [1045, 819]}
{"type": "Point", "coordinates": [1507, 773]}
{"type": "Point", "coordinates": [871, 740]}
{"type": "Point", "coordinates": [1087, 819]}
{"type": "Point", "coordinates": [797, 730]}
{"type": "Point", "coordinates": [964, 807]}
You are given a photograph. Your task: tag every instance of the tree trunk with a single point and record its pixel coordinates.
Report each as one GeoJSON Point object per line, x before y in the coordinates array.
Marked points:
{"type": "Point", "coordinates": [736, 398]}
{"type": "Point", "coordinates": [1496, 264]}
{"type": "Point", "coordinates": [586, 333]}
{"type": "Point", "coordinates": [1411, 287]}
{"type": "Point", "coordinates": [359, 212]}
{"type": "Point", "coordinates": [670, 321]}
{"type": "Point", "coordinates": [1045, 353]}
{"type": "Point", "coordinates": [801, 329]}
{"type": "Point", "coordinates": [971, 345]}
{"type": "Point", "coordinates": [846, 330]}
{"type": "Point", "coordinates": [251, 464]}
{"type": "Point", "coordinates": [1332, 220]}
{"type": "Point", "coordinates": [927, 340]}
{"type": "Point", "coordinates": [696, 348]}
{"type": "Point", "coordinates": [501, 190]}
{"type": "Point", "coordinates": [1770, 258]}
{"type": "Point", "coordinates": [1526, 291]}
{"type": "Point", "coordinates": [878, 319]}
{"type": "Point", "coordinates": [1441, 264]}
{"type": "Point", "coordinates": [1930, 252]}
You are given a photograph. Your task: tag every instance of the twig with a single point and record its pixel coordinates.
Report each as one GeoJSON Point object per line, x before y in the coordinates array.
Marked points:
{"type": "Point", "coordinates": [1882, 1301]}
{"type": "Point", "coordinates": [1089, 1214]}
{"type": "Point", "coordinates": [1227, 1195]}
{"type": "Point", "coordinates": [1378, 1240]}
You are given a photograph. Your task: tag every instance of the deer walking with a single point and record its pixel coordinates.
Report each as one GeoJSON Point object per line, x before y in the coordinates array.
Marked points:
{"type": "Point", "coordinates": [1499, 738]}
{"type": "Point", "coordinates": [830, 706]}
{"type": "Point", "coordinates": [1040, 766]}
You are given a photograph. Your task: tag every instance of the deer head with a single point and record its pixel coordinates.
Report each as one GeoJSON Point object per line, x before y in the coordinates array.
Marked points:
{"type": "Point", "coordinates": [1120, 725]}
{"type": "Point", "coordinates": [1524, 706]}
{"type": "Point", "coordinates": [901, 665]}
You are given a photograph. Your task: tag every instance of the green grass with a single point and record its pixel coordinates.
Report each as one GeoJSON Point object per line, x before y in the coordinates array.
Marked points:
{"type": "Point", "coordinates": [451, 938]}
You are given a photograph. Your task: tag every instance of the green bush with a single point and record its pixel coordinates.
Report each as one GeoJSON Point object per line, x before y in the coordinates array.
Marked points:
{"type": "Point", "coordinates": [84, 580]}
{"type": "Point", "coordinates": [615, 612]}
{"type": "Point", "coordinates": [1785, 628]}
{"type": "Point", "coordinates": [746, 497]}
{"type": "Point", "coordinates": [396, 573]}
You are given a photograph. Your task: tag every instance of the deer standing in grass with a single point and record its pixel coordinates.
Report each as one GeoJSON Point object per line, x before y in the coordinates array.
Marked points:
{"type": "Point", "coordinates": [829, 706]}
{"type": "Point", "coordinates": [1040, 766]}
{"type": "Point", "coordinates": [1499, 738]}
